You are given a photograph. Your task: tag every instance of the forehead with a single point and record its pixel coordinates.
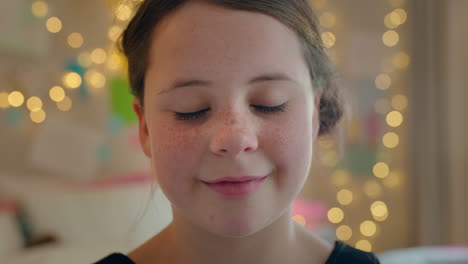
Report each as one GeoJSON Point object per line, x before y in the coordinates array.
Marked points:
{"type": "Point", "coordinates": [206, 39]}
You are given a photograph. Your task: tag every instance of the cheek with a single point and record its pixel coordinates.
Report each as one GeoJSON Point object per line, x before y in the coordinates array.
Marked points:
{"type": "Point", "coordinates": [174, 154]}
{"type": "Point", "coordinates": [291, 143]}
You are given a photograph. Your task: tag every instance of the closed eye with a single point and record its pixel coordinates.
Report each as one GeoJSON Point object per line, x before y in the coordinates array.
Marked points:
{"type": "Point", "coordinates": [262, 109]}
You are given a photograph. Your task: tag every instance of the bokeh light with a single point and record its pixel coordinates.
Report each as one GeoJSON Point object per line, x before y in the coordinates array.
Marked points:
{"type": "Point", "coordinates": [95, 79]}
{"type": "Point", "coordinates": [344, 232]}
{"type": "Point", "coordinates": [364, 245]}
{"type": "Point", "coordinates": [368, 228]}
{"type": "Point", "coordinates": [16, 99]}
{"type": "Point", "coordinates": [390, 38]}
{"type": "Point", "coordinates": [399, 102]}
{"type": "Point", "coordinates": [381, 170]}
{"type": "Point", "coordinates": [38, 116]}
{"type": "Point", "coordinates": [335, 215]}
{"type": "Point", "coordinates": [34, 104]}
{"type": "Point", "coordinates": [56, 93]}
{"type": "Point", "coordinates": [329, 39]}
{"type": "Point", "coordinates": [379, 211]}
{"type": "Point", "coordinates": [401, 60]}
{"type": "Point", "coordinates": [344, 197]}
{"type": "Point", "coordinates": [65, 104]}
{"type": "Point", "coordinates": [123, 12]}
{"type": "Point", "coordinates": [39, 9]}
{"type": "Point", "coordinates": [299, 219]}
{"type": "Point", "coordinates": [72, 80]}
{"type": "Point", "coordinates": [383, 81]}
{"type": "Point", "coordinates": [98, 56]}
{"type": "Point", "coordinates": [4, 100]}
{"type": "Point", "coordinates": [394, 119]}
{"type": "Point", "coordinates": [54, 24]}
{"type": "Point", "coordinates": [390, 140]}
{"type": "Point", "coordinates": [75, 40]}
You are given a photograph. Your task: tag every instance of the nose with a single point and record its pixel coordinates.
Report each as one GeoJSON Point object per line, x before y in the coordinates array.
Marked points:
{"type": "Point", "coordinates": [234, 135]}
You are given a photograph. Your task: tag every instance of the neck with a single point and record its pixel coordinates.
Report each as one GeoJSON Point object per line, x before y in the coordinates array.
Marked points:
{"type": "Point", "coordinates": [276, 243]}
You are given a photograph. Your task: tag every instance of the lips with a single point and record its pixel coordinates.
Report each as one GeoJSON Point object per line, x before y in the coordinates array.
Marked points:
{"type": "Point", "coordinates": [234, 179]}
{"type": "Point", "coordinates": [235, 187]}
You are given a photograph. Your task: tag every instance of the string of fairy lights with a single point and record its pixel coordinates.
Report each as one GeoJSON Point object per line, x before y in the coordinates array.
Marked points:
{"type": "Point", "coordinates": [99, 62]}
{"type": "Point", "coordinates": [390, 108]}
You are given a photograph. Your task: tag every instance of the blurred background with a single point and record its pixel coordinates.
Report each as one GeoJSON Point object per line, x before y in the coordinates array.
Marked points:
{"type": "Point", "coordinates": [74, 181]}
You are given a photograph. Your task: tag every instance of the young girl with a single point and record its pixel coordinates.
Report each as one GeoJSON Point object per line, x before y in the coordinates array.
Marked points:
{"type": "Point", "coordinates": [231, 95]}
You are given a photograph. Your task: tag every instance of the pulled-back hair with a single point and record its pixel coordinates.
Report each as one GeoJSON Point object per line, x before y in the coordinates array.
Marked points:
{"type": "Point", "coordinates": [135, 43]}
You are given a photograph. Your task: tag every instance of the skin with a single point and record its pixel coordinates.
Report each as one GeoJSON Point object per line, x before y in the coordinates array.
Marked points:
{"type": "Point", "coordinates": [228, 48]}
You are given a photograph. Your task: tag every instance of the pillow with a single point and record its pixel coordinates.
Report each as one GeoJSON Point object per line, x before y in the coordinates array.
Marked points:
{"type": "Point", "coordinates": [105, 211]}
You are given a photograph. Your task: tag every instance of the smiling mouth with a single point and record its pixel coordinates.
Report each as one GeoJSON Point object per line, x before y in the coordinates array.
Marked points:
{"type": "Point", "coordinates": [236, 188]}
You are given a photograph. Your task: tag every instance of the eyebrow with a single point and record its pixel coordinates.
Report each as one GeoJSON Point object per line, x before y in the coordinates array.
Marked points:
{"type": "Point", "coordinates": [278, 76]}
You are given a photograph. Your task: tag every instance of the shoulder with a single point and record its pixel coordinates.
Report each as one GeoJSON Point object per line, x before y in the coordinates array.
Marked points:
{"type": "Point", "coordinates": [115, 258]}
{"type": "Point", "coordinates": [343, 253]}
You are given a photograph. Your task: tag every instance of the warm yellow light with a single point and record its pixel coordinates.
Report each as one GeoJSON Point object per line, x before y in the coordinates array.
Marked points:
{"type": "Point", "coordinates": [57, 93]}
{"type": "Point", "coordinates": [39, 9]}
{"type": "Point", "coordinates": [335, 215]}
{"type": "Point", "coordinates": [34, 104]}
{"type": "Point", "coordinates": [75, 40]}
{"type": "Point", "coordinates": [340, 177]}
{"type": "Point", "coordinates": [344, 196]}
{"type": "Point", "coordinates": [393, 180]}
{"type": "Point", "coordinates": [299, 219]}
{"type": "Point", "coordinates": [329, 39]}
{"type": "Point", "coordinates": [364, 245]}
{"type": "Point", "coordinates": [114, 32]}
{"type": "Point", "coordinates": [95, 79]}
{"type": "Point", "coordinates": [401, 60]}
{"type": "Point", "coordinates": [330, 158]}
{"type": "Point", "coordinates": [84, 59]}
{"type": "Point", "coordinates": [399, 16]}
{"type": "Point", "coordinates": [344, 232]}
{"type": "Point", "coordinates": [399, 102]}
{"type": "Point", "coordinates": [368, 228]}
{"type": "Point", "coordinates": [382, 106]}
{"type": "Point", "coordinates": [389, 23]}
{"type": "Point", "coordinates": [381, 170]}
{"type": "Point", "coordinates": [383, 81]}
{"type": "Point", "coordinates": [72, 80]}
{"type": "Point", "coordinates": [65, 104]}
{"type": "Point", "coordinates": [390, 140]}
{"type": "Point", "coordinates": [372, 189]}
{"type": "Point", "coordinates": [4, 100]}
{"type": "Point", "coordinates": [394, 119]}
{"type": "Point", "coordinates": [115, 62]}
{"type": "Point", "coordinates": [328, 20]}
{"type": "Point", "coordinates": [379, 211]}
{"type": "Point", "coordinates": [38, 116]}
{"type": "Point", "coordinates": [16, 99]}
{"type": "Point", "coordinates": [123, 12]}
{"type": "Point", "coordinates": [98, 56]}
{"type": "Point", "coordinates": [390, 38]}
{"type": "Point", "coordinates": [54, 25]}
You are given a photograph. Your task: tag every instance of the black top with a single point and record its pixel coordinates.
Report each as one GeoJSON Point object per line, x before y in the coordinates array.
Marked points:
{"type": "Point", "coordinates": [341, 254]}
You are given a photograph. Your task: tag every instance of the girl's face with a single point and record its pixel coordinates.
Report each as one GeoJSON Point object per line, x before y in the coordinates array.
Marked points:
{"type": "Point", "coordinates": [228, 62]}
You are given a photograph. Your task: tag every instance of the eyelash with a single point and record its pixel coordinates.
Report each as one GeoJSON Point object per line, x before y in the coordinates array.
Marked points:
{"type": "Point", "coordinates": [263, 109]}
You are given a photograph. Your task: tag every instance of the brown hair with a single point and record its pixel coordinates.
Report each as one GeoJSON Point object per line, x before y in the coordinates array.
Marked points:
{"type": "Point", "coordinates": [296, 14]}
